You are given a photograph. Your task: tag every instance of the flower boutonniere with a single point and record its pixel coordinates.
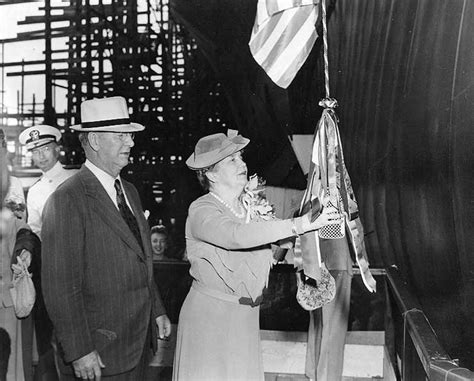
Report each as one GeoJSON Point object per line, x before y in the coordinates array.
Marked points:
{"type": "Point", "coordinates": [254, 201]}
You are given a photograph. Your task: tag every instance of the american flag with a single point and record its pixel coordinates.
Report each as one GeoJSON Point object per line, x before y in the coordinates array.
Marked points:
{"type": "Point", "coordinates": [282, 37]}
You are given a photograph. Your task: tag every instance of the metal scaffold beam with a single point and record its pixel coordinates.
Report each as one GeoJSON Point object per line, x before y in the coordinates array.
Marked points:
{"type": "Point", "coordinates": [131, 48]}
{"type": "Point", "coordinates": [100, 48]}
{"type": "Point", "coordinates": [107, 48]}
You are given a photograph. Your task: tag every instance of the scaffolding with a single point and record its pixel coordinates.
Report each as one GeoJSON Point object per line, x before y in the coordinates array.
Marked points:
{"type": "Point", "coordinates": [132, 48]}
{"type": "Point", "coordinates": [102, 48]}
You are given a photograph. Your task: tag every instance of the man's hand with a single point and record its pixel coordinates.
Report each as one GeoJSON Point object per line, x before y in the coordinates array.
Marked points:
{"type": "Point", "coordinates": [164, 326]}
{"type": "Point", "coordinates": [88, 366]}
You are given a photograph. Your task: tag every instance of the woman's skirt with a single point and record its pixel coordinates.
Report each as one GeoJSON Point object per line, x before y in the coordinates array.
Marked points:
{"type": "Point", "coordinates": [218, 339]}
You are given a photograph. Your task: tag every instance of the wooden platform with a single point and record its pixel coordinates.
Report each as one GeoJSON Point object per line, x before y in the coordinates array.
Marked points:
{"type": "Point", "coordinates": [284, 356]}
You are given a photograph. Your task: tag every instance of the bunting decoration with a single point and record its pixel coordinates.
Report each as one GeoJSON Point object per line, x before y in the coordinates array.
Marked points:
{"type": "Point", "coordinates": [329, 185]}
{"type": "Point", "coordinates": [282, 37]}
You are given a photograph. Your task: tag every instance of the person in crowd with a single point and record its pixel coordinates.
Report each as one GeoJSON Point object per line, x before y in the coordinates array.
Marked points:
{"type": "Point", "coordinates": [43, 143]}
{"type": "Point", "coordinates": [15, 196]}
{"type": "Point", "coordinates": [16, 240]}
{"type": "Point", "coordinates": [11, 357]}
{"type": "Point", "coordinates": [329, 324]}
{"type": "Point", "coordinates": [160, 243]}
{"type": "Point", "coordinates": [218, 331]}
{"type": "Point", "coordinates": [173, 281]}
{"type": "Point", "coordinates": [339, 252]}
{"type": "Point", "coordinates": [97, 271]}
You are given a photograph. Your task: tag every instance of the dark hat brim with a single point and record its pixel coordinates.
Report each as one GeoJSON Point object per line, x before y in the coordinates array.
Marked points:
{"type": "Point", "coordinates": [129, 127]}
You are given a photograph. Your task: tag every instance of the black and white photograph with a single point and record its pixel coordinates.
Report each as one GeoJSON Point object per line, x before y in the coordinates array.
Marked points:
{"type": "Point", "coordinates": [236, 190]}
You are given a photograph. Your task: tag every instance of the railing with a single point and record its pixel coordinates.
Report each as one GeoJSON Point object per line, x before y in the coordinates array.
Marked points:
{"type": "Point", "coordinates": [414, 346]}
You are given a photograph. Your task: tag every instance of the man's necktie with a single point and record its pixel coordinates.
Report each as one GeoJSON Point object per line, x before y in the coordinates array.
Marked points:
{"type": "Point", "coordinates": [127, 213]}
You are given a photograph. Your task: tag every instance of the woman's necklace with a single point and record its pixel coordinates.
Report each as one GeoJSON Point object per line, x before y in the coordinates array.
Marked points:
{"type": "Point", "coordinates": [238, 215]}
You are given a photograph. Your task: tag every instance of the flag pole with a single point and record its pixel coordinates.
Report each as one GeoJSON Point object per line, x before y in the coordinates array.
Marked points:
{"type": "Point", "coordinates": [325, 48]}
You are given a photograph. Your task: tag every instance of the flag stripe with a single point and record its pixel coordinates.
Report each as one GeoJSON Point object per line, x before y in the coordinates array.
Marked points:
{"type": "Point", "coordinates": [262, 14]}
{"type": "Point", "coordinates": [282, 43]}
{"type": "Point", "coordinates": [299, 27]}
{"type": "Point", "coordinates": [292, 69]}
{"type": "Point", "coordinates": [295, 53]}
{"type": "Point", "coordinates": [269, 35]}
{"type": "Point", "coordinates": [275, 35]}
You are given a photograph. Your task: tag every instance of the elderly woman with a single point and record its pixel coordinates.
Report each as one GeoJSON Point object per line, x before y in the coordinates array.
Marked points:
{"type": "Point", "coordinates": [230, 256]}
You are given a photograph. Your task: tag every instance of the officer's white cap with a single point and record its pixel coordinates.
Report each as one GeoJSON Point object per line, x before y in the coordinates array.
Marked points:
{"type": "Point", "coordinates": [40, 135]}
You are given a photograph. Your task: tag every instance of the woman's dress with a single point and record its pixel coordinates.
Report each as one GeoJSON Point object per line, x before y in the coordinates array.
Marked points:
{"type": "Point", "coordinates": [8, 319]}
{"type": "Point", "coordinates": [218, 333]}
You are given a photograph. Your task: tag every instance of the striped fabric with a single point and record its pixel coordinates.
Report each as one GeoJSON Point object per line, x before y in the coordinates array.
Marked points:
{"type": "Point", "coordinates": [97, 282]}
{"type": "Point", "coordinates": [282, 37]}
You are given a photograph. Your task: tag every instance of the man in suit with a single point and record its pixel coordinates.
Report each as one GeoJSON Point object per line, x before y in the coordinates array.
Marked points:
{"type": "Point", "coordinates": [42, 141]}
{"type": "Point", "coordinates": [97, 268]}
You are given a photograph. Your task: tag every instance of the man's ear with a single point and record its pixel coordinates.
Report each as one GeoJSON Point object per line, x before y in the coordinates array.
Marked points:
{"type": "Point", "coordinates": [93, 140]}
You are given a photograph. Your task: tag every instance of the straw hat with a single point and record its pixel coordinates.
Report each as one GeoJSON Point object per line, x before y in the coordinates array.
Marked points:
{"type": "Point", "coordinates": [213, 148]}
{"type": "Point", "coordinates": [106, 115]}
{"type": "Point", "coordinates": [40, 135]}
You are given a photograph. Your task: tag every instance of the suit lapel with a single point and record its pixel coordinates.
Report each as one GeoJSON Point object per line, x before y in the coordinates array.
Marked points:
{"type": "Point", "coordinates": [138, 212]}
{"type": "Point", "coordinates": [106, 209]}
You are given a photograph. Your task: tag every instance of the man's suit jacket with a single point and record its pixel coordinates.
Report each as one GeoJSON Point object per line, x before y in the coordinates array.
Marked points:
{"type": "Point", "coordinates": [97, 281]}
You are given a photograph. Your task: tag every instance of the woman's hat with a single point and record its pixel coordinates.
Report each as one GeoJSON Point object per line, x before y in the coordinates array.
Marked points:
{"type": "Point", "coordinates": [211, 149]}
{"type": "Point", "coordinates": [106, 115]}
{"type": "Point", "coordinates": [39, 135]}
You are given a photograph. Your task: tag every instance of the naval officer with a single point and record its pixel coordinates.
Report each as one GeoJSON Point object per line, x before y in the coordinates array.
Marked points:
{"type": "Point", "coordinates": [43, 143]}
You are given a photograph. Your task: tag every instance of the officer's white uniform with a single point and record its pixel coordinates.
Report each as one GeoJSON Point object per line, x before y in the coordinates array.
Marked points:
{"type": "Point", "coordinates": [40, 192]}
{"type": "Point", "coordinates": [35, 137]}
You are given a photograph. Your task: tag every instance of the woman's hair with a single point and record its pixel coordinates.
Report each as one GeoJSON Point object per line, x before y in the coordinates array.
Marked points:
{"type": "Point", "coordinates": [160, 229]}
{"type": "Point", "coordinates": [203, 179]}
